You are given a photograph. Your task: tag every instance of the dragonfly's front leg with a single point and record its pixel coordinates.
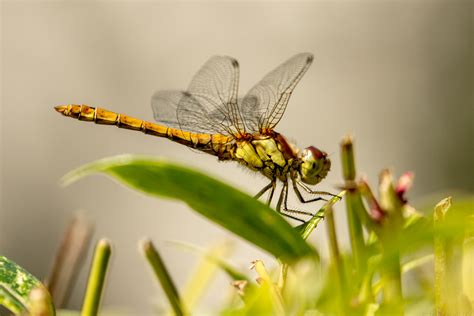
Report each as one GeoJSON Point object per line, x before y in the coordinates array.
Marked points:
{"type": "Point", "coordinates": [300, 196]}
{"type": "Point", "coordinates": [310, 191]}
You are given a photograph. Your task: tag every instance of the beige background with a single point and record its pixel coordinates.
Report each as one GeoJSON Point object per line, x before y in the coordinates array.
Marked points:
{"type": "Point", "coordinates": [397, 75]}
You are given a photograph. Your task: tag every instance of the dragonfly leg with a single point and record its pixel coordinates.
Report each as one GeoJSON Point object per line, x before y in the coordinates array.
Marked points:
{"type": "Point", "coordinates": [309, 190]}
{"type": "Point", "coordinates": [283, 197]}
{"type": "Point", "coordinates": [285, 205]}
{"type": "Point", "coordinates": [265, 189]}
{"type": "Point", "coordinates": [270, 196]}
{"type": "Point", "coordinates": [300, 196]}
{"type": "Point", "coordinates": [272, 186]}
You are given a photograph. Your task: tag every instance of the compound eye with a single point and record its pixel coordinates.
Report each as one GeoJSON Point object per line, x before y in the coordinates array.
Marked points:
{"type": "Point", "coordinates": [316, 153]}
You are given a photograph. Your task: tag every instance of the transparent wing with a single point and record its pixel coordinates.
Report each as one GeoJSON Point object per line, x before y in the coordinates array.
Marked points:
{"type": "Point", "coordinates": [265, 104]}
{"type": "Point", "coordinates": [210, 103]}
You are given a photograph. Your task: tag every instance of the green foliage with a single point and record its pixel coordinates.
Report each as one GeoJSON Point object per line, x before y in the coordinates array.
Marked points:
{"type": "Point", "coordinates": [401, 261]}
{"type": "Point", "coordinates": [392, 245]}
{"type": "Point", "coordinates": [16, 284]}
{"type": "Point", "coordinates": [226, 206]}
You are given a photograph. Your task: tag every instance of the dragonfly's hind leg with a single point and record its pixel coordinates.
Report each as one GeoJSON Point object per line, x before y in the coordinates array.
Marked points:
{"type": "Point", "coordinates": [272, 186]}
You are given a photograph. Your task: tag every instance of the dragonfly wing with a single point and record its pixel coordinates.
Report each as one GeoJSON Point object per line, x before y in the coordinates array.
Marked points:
{"type": "Point", "coordinates": [210, 103]}
{"type": "Point", "coordinates": [265, 104]}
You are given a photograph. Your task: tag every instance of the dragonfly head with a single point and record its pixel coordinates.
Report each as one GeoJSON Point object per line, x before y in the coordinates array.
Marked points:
{"type": "Point", "coordinates": [314, 165]}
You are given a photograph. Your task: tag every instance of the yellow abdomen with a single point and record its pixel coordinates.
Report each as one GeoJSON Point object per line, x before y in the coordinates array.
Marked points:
{"type": "Point", "coordinates": [215, 144]}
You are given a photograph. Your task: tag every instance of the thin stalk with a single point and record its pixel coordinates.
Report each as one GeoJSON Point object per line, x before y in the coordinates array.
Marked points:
{"type": "Point", "coordinates": [69, 259]}
{"type": "Point", "coordinates": [95, 284]}
{"type": "Point", "coordinates": [440, 259]}
{"type": "Point", "coordinates": [335, 256]}
{"type": "Point", "coordinates": [332, 238]}
{"type": "Point", "coordinates": [161, 272]}
{"type": "Point", "coordinates": [391, 276]}
{"type": "Point", "coordinates": [353, 205]}
{"type": "Point", "coordinates": [275, 293]}
{"type": "Point", "coordinates": [392, 206]}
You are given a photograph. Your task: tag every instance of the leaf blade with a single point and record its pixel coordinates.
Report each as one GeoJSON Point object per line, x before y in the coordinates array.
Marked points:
{"type": "Point", "coordinates": [15, 286]}
{"type": "Point", "coordinates": [226, 206]}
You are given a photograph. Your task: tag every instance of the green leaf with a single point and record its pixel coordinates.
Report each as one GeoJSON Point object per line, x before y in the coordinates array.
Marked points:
{"type": "Point", "coordinates": [226, 206]}
{"type": "Point", "coordinates": [307, 228]}
{"type": "Point", "coordinates": [15, 286]}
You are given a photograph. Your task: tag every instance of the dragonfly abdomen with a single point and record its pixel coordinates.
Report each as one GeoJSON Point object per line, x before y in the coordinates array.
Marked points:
{"type": "Point", "coordinates": [213, 144]}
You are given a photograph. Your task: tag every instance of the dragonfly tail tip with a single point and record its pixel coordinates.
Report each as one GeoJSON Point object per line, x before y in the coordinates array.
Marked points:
{"type": "Point", "coordinates": [61, 108]}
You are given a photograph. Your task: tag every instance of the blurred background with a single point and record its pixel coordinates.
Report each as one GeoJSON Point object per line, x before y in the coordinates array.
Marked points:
{"type": "Point", "coordinates": [398, 76]}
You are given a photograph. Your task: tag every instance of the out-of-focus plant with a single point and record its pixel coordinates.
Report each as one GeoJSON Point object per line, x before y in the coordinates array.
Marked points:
{"type": "Point", "coordinates": [401, 261]}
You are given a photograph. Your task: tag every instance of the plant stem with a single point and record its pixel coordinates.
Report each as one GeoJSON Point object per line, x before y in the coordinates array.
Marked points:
{"type": "Point", "coordinates": [336, 257]}
{"type": "Point", "coordinates": [332, 237]}
{"type": "Point", "coordinates": [353, 205]}
{"type": "Point", "coordinates": [69, 259]}
{"type": "Point", "coordinates": [391, 275]}
{"type": "Point", "coordinates": [347, 158]}
{"type": "Point", "coordinates": [159, 268]}
{"type": "Point", "coordinates": [96, 280]}
{"type": "Point", "coordinates": [440, 260]}
{"type": "Point", "coordinates": [389, 237]}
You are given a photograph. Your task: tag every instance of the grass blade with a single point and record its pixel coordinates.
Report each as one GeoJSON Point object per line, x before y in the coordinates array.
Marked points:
{"type": "Point", "coordinates": [226, 206]}
{"type": "Point", "coordinates": [96, 281]}
{"type": "Point", "coordinates": [307, 228]}
{"type": "Point", "coordinates": [161, 272]}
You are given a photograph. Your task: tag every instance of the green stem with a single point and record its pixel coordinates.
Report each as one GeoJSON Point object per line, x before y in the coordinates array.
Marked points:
{"type": "Point", "coordinates": [390, 239]}
{"type": "Point", "coordinates": [336, 256]}
{"type": "Point", "coordinates": [440, 258]}
{"type": "Point", "coordinates": [391, 275]}
{"type": "Point", "coordinates": [96, 280]}
{"type": "Point", "coordinates": [353, 205]}
{"type": "Point", "coordinates": [347, 159]}
{"type": "Point", "coordinates": [159, 268]}
{"type": "Point", "coordinates": [332, 237]}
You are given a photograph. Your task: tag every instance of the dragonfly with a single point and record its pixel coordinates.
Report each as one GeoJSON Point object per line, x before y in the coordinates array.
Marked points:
{"type": "Point", "coordinates": [211, 117]}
